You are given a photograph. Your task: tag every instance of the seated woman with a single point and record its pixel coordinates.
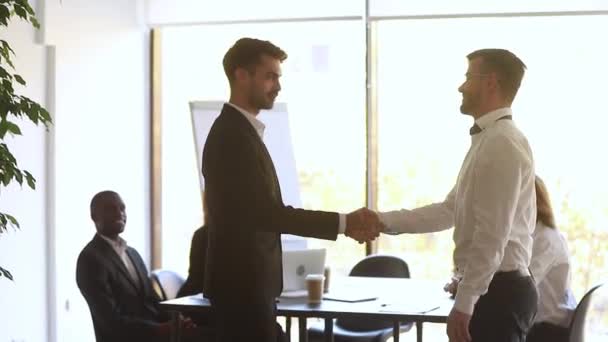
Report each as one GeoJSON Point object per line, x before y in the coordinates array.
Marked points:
{"type": "Point", "coordinates": [550, 267]}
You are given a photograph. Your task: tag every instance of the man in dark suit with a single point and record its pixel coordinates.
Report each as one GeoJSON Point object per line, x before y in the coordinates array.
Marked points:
{"type": "Point", "coordinates": [113, 279]}
{"type": "Point", "coordinates": [247, 215]}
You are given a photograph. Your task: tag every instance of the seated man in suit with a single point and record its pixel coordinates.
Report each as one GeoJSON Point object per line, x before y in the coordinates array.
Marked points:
{"type": "Point", "coordinates": [113, 279]}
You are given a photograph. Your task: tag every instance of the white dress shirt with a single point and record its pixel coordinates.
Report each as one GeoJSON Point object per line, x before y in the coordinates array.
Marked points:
{"type": "Point", "coordinates": [260, 127]}
{"type": "Point", "coordinates": [550, 266]}
{"type": "Point", "coordinates": [120, 247]}
{"type": "Point", "coordinates": [492, 207]}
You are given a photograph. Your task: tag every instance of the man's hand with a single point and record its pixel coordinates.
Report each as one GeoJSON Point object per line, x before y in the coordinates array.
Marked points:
{"type": "Point", "coordinates": [363, 225]}
{"type": "Point", "coordinates": [452, 287]}
{"type": "Point", "coordinates": [458, 326]}
{"type": "Point", "coordinates": [186, 324]}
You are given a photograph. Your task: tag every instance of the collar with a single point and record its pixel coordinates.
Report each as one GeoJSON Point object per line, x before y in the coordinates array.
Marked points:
{"type": "Point", "coordinates": [489, 118]}
{"type": "Point", "coordinates": [257, 124]}
{"type": "Point", "coordinates": [118, 245]}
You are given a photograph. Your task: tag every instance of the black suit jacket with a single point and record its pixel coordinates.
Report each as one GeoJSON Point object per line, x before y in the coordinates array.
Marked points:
{"type": "Point", "coordinates": [122, 309]}
{"type": "Point", "coordinates": [247, 214]}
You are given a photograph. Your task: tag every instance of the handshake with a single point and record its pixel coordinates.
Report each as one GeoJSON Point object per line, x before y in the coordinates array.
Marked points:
{"type": "Point", "coordinates": [363, 225]}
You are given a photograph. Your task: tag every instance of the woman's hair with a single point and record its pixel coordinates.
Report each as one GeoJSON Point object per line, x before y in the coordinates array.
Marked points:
{"type": "Point", "coordinates": [544, 212]}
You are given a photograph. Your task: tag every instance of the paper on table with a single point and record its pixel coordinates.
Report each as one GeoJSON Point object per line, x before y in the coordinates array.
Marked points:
{"type": "Point", "coordinates": [410, 307]}
{"type": "Point", "coordinates": [294, 294]}
{"type": "Point", "coordinates": [350, 297]}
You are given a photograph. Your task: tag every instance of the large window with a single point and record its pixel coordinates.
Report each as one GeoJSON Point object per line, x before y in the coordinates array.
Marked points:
{"type": "Point", "coordinates": [423, 137]}
{"type": "Point", "coordinates": [324, 89]}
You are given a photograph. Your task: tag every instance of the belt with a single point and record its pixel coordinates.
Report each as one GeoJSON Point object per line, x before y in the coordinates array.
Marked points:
{"type": "Point", "coordinates": [514, 273]}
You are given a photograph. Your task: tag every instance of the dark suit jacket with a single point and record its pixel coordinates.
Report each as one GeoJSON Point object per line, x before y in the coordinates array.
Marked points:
{"type": "Point", "coordinates": [198, 257]}
{"type": "Point", "coordinates": [247, 214]}
{"type": "Point", "coordinates": [122, 309]}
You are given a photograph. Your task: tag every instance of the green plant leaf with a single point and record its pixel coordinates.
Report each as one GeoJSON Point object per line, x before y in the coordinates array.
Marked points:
{"type": "Point", "coordinates": [46, 116]}
{"type": "Point", "coordinates": [3, 222]}
{"type": "Point", "coordinates": [13, 128]}
{"type": "Point", "coordinates": [4, 12]}
{"type": "Point", "coordinates": [12, 220]}
{"type": "Point", "coordinates": [8, 175]}
{"type": "Point", "coordinates": [18, 177]}
{"type": "Point", "coordinates": [3, 73]}
{"type": "Point", "coordinates": [31, 181]}
{"type": "Point", "coordinates": [34, 22]}
{"type": "Point", "coordinates": [3, 128]}
{"type": "Point", "coordinates": [20, 11]}
{"type": "Point", "coordinates": [4, 53]}
{"type": "Point", "coordinates": [28, 8]}
{"type": "Point", "coordinates": [8, 85]}
{"type": "Point", "coordinates": [19, 79]}
{"type": "Point", "coordinates": [6, 273]}
{"type": "Point", "coordinates": [7, 47]}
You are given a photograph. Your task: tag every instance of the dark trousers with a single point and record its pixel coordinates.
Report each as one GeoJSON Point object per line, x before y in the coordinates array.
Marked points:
{"type": "Point", "coordinates": [506, 312]}
{"type": "Point", "coordinates": [239, 321]}
{"type": "Point", "coordinates": [545, 332]}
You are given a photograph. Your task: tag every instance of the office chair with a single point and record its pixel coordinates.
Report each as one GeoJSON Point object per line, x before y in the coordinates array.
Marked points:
{"type": "Point", "coordinates": [367, 330]}
{"type": "Point", "coordinates": [580, 317]}
{"type": "Point", "coordinates": [166, 283]}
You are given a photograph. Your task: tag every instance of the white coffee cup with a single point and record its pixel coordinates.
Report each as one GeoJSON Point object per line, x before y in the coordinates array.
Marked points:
{"type": "Point", "coordinates": [314, 285]}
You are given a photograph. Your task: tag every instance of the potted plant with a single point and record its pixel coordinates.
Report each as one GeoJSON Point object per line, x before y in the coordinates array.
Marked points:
{"type": "Point", "coordinates": [14, 108]}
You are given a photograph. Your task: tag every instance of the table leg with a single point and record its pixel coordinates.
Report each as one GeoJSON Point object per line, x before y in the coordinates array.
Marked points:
{"type": "Point", "coordinates": [396, 331]}
{"type": "Point", "coordinates": [302, 327]}
{"type": "Point", "coordinates": [329, 330]}
{"type": "Point", "coordinates": [176, 334]}
{"type": "Point", "coordinates": [419, 331]}
{"type": "Point", "coordinates": [288, 328]}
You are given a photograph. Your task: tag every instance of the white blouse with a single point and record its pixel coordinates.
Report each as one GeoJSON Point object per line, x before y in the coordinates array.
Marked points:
{"type": "Point", "coordinates": [550, 266]}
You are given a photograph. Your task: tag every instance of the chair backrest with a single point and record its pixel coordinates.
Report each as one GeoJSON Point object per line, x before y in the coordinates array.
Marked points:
{"type": "Point", "coordinates": [166, 283]}
{"type": "Point", "coordinates": [376, 265]}
{"type": "Point", "coordinates": [580, 317]}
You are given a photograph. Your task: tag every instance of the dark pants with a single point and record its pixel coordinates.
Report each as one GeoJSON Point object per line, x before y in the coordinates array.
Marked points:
{"type": "Point", "coordinates": [545, 332]}
{"type": "Point", "coordinates": [506, 312]}
{"type": "Point", "coordinates": [239, 321]}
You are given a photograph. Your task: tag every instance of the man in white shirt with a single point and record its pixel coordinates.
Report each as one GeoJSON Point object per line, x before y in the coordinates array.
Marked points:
{"type": "Point", "coordinates": [492, 207]}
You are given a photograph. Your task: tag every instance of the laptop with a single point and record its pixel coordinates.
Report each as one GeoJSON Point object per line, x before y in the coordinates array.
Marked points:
{"type": "Point", "coordinates": [297, 264]}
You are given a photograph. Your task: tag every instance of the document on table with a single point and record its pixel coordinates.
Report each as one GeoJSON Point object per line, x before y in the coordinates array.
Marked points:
{"type": "Point", "coordinates": [413, 306]}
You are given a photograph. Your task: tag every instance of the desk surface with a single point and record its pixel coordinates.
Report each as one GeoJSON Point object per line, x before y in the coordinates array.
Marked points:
{"type": "Point", "coordinates": [397, 299]}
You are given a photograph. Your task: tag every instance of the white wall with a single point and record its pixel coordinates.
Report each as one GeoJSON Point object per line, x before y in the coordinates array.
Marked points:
{"type": "Point", "coordinates": [170, 12]}
{"type": "Point", "coordinates": [101, 134]}
{"type": "Point", "coordinates": [23, 313]}
{"type": "Point", "coordinates": [98, 93]}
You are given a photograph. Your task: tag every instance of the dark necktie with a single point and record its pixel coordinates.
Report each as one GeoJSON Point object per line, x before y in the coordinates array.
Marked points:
{"type": "Point", "coordinates": [476, 129]}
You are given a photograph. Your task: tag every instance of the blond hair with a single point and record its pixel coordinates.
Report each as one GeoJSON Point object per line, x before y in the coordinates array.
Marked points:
{"type": "Point", "coordinates": [544, 211]}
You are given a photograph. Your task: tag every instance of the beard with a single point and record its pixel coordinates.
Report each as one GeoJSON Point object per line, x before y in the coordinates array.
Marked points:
{"type": "Point", "coordinates": [263, 101]}
{"type": "Point", "coordinates": [468, 104]}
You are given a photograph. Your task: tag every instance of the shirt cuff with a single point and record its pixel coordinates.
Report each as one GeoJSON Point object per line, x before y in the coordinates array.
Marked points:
{"type": "Point", "coordinates": [465, 302]}
{"type": "Point", "coordinates": [385, 219]}
{"type": "Point", "coordinates": [342, 224]}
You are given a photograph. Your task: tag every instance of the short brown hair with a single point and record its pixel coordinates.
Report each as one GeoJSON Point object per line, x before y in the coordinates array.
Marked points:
{"type": "Point", "coordinates": [508, 67]}
{"type": "Point", "coordinates": [247, 52]}
{"type": "Point", "coordinates": [544, 212]}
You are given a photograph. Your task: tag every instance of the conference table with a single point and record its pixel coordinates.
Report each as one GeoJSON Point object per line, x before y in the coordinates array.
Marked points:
{"type": "Point", "coordinates": [393, 299]}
